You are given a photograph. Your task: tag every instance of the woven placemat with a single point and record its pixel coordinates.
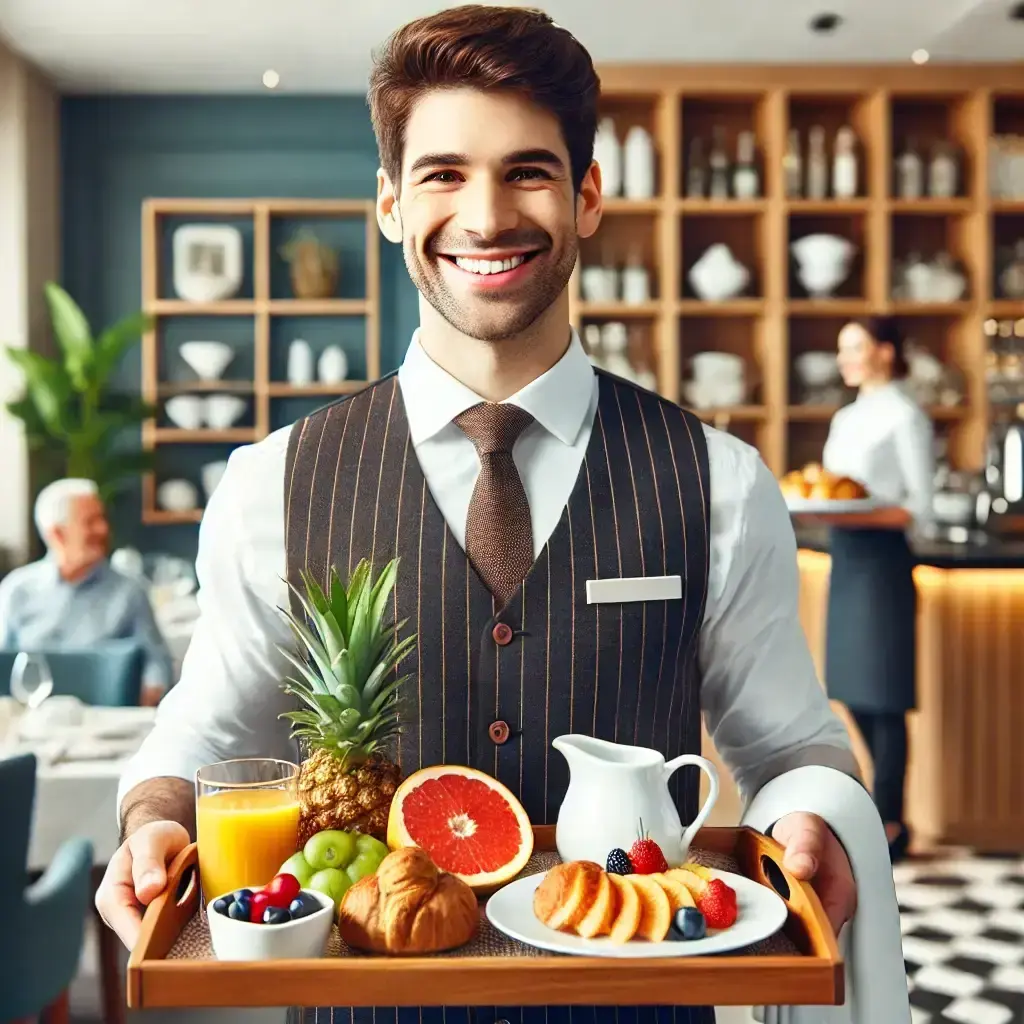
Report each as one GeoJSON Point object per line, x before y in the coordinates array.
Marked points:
{"type": "Point", "coordinates": [194, 941]}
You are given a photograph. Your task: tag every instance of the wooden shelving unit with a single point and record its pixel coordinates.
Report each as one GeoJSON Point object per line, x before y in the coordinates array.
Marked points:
{"type": "Point", "coordinates": [775, 321]}
{"type": "Point", "coordinates": [249, 322]}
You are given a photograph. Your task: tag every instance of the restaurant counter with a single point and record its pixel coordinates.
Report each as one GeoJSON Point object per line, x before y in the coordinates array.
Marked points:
{"type": "Point", "coordinates": [966, 772]}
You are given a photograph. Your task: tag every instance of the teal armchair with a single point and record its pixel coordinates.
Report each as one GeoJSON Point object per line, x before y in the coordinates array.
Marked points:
{"type": "Point", "coordinates": [107, 674]}
{"type": "Point", "coordinates": [41, 939]}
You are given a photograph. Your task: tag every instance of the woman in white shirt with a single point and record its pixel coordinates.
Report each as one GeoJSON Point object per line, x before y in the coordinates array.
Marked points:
{"type": "Point", "coordinates": [884, 440]}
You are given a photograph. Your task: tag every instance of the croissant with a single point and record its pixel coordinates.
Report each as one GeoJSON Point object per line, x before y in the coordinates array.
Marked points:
{"type": "Point", "coordinates": [408, 907]}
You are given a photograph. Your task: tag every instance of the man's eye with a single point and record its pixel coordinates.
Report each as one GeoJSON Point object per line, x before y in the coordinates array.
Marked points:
{"type": "Point", "coordinates": [529, 172]}
{"type": "Point", "coordinates": [442, 176]}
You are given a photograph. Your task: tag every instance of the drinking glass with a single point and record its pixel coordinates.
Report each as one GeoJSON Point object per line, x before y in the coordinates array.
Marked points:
{"type": "Point", "coordinates": [31, 680]}
{"type": "Point", "coordinates": [247, 822]}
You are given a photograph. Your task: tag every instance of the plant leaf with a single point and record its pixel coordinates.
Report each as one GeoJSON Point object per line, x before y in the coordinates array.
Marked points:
{"type": "Point", "coordinates": [72, 332]}
{"type": "Point", "coordinates": [47, 386]}
{"type": "Point", "coordinates": [114, 342]}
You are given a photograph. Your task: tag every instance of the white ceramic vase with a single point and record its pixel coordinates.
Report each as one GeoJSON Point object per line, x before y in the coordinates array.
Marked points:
{"type": "Point", "coordinates": [300, 363]}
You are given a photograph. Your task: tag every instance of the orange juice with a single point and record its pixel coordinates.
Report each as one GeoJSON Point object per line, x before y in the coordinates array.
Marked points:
{"type": "Point", "coordinates": [244, 836]}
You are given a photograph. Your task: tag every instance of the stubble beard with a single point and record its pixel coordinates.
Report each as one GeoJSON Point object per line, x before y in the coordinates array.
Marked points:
{"type": "Point", "coordinates": [504, 320]}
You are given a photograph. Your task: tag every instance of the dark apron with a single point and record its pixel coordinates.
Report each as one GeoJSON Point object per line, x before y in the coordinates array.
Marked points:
{"type": "Point", "coordinates": [871, 644]}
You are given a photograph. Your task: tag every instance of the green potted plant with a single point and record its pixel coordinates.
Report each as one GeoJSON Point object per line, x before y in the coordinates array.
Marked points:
{"type": "Point", "coordinates": [73, 420]}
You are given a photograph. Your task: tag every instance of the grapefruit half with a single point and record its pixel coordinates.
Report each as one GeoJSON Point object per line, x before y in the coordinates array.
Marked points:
{"type": "Point", "coordinates": [470, 824]}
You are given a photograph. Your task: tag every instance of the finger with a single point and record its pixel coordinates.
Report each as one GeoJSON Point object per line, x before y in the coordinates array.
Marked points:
{"type": "Point", "coordinates": [115, 899]}
{"type": "Point", "coordinates": [151, 848]}
{"type": "Point", "coordinates": [803, 844]}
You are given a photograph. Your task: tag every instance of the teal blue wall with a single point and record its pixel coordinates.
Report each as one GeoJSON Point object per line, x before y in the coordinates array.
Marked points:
{"type": "Point", "coordinates": [117, 151]}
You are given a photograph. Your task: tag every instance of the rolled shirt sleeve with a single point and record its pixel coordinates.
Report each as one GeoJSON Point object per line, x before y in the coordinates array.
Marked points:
{"type": "Point", "coordinates": [228, 699]}
{"type": "Point", "coordinates": [763, 705]}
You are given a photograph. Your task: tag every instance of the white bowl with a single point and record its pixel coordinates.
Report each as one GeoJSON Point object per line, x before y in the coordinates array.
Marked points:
{"type": "Point", "coordinates": [185, 411]}
{"type": "Point", "coordinates": [295, 940]}
{"type": "Point", "coordinates": [209, 359]}
{"type": "Point", "coordinates": [815, 369]}
{"type": "Point", "coordinates": [223, 411]}
{"type": "Point", "coordinates": [211, 475]}
{"type": "Point", "coordinates": [720, 365]}
{"type": "Point", "coordinates": [177, 496]}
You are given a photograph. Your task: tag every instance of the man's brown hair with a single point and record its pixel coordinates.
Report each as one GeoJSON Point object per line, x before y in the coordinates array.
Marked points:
{"type": "Point", "coordinates": [509, 49]}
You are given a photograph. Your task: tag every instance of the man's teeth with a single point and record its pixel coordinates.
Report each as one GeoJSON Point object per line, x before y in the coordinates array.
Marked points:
{"type": "Point", "coordinates": [488, 266]}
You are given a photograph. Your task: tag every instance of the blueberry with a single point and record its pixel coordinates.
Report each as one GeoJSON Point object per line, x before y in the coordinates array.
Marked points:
{"type": "Point", "coordinates": [220, 906]}
{"type": "Point", "coordinates": [239, 910]}
{"type": "Point", "coordinates": [689, 923]}
{"type": "Point", "coordinates": [302, 906]}
{"type": "Point", "coordinates": [276, 915]}
{"type": "Point", "coordinates": [241, 894]}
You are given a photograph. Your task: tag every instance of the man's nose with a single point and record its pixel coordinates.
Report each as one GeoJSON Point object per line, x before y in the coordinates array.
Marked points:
{"type": "Point", "coordinates": [486, 209]}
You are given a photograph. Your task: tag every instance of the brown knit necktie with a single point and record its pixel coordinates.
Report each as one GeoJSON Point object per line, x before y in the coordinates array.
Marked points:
{"type": "Point", "coordinates": [499, 537]}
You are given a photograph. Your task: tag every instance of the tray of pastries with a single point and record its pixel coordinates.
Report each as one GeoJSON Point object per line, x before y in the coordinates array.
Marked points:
{"type": "Point", "coordinates": [815, 489]}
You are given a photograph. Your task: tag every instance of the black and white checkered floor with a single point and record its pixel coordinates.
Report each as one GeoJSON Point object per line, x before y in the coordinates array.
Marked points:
{"type": "Point", "coordinates": [963, 939]}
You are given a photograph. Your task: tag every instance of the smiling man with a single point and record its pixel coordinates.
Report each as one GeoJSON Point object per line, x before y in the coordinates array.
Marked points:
{"type": "Point", "coordinates": [505, 473]}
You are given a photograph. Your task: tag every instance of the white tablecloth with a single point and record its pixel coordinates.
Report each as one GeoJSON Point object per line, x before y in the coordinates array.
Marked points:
{"type": "Point", "coordinates": [76, 781]}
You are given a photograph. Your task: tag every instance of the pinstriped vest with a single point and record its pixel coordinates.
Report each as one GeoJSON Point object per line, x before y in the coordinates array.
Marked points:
{"type": "Point", "coordinates": [622, 672]}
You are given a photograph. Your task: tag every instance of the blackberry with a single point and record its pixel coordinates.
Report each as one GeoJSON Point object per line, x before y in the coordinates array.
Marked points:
{"type": "Point", "coordinates": [619, 863]}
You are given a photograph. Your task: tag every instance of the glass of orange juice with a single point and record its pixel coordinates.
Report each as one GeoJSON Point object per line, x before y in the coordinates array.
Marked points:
{"type": "Point", "coordinates": [247, 822]}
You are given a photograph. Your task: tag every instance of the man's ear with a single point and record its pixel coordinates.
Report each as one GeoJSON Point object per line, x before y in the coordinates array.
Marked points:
{"type": "Point", "coordinates": [389, 217]}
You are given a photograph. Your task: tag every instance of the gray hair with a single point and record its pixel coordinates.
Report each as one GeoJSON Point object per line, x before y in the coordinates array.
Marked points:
{"type": "Point", "coordinates": [54, 503]}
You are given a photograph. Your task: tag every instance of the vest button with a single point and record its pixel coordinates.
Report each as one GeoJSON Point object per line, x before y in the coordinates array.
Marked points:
{"type": "Point", "coordinates": [502, 634]}
{"type": "Point", "coordinates": [499, 732]}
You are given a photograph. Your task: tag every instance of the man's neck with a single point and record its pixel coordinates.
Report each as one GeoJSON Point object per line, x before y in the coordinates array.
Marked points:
{"type": "Point", "coordinates": [75, 572]}
{"type": "Point", "coordinates": [496, 370]}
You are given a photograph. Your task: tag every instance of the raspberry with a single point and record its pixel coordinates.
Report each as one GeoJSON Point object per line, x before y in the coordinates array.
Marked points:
{"type": "Point", "coordinates": [718, 904]}
{"type": "Point", "coordinates": [618, 863]}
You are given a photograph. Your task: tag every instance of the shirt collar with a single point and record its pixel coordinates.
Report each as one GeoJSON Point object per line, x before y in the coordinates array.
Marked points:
{"type": "Point", "coordinates": [98, 570]}
{"type": "Point", "coordinates": [558, 399]}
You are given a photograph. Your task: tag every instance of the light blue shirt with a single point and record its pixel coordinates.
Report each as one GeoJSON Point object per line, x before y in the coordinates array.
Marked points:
{"type": "Point", "coordinates": [40, 610]}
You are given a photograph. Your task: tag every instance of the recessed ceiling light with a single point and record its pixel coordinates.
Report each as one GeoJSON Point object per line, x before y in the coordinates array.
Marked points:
{"type": "Point", "coordinates": [271, 79]}
{"type": "Point", "coordinates": [920, 56]}
{"type": "Point", "coordinates": [824, 23]}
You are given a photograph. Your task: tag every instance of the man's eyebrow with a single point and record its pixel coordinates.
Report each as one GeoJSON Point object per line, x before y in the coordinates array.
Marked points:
{"type": "Point", "coordinates": [521, 156]}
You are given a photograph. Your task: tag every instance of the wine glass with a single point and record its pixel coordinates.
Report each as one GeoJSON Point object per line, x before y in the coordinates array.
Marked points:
{"type": "Point", "coordinates": [31, 680]}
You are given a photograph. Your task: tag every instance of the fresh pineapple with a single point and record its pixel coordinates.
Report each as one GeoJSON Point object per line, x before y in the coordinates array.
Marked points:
{"type": "Point", "coordinates": [346, 660]}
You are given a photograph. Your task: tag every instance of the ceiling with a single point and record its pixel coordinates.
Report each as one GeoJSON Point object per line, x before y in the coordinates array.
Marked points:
{"type": "Point", "coordinates": [324, 46]}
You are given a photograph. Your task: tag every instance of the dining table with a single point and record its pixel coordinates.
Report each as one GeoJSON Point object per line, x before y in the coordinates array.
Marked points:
{"type": "Point", "coordinates": [80, 752]}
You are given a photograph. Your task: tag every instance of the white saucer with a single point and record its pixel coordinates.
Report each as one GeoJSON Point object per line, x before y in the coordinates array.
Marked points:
{"type": "Point", "coordinates": [761, 914]}
{"type": "Point", "coordinates": [830, 506]}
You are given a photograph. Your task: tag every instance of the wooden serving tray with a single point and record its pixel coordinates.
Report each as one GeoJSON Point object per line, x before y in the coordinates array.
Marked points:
{"type": "Point", "coordinates": [172, 964]}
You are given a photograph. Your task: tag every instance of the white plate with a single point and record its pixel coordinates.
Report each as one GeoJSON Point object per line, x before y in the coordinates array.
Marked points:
{"type": "Point", "coordinates": [829, 506]}
{"type": "Point", "coordinates": [761, 913]}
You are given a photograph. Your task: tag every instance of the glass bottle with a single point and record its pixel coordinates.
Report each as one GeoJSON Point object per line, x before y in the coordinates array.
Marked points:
{"type": "Point", "coordinates": [942, 172]}
{"type": "Point", "coordinates": [792, 165]}
{"type": "Point", "coordinates": [844, 164]}
{"type": "Point", "coordinates": [817, 164]}
{"type": "Point", "coordinates": [718, 162]}
{"type": "Point", "coordinates": [696, 170]}
{"type": "Point", "coordinates": [909, 172]}
{"type": "Point", "coordinates": [746, 182]}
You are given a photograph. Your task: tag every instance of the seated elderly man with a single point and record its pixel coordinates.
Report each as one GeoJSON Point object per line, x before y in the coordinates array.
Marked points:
{"type": "Point", "coordinates": [73, 597]}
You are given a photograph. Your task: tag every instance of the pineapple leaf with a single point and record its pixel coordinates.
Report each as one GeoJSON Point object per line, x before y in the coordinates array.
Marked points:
{"type": "Point", "coordinates": [316, 679]}
{"type": "Point", "coordinates": [311, 643]}
{"type": "Point", "coordinates": [387, 694]}
{"type": "Point", "coordinates": [385, 665]}
{"type": "Point", "coordinates": [360, 637]}
{"type": "Point", "coordinates": [341, 677]}
{"type": "Point", "coordinates": [326, 624]}
{"type": "Point", "coordinates": [339, 602]}
{"type": "Point", "coordinates": [315, 593]}
{"type": "Point", "coordinates": [356, 585]}
{"type": "Point", "coordinates": [382, 590]}
{"type": "Point", "coordinates": [297, 689]}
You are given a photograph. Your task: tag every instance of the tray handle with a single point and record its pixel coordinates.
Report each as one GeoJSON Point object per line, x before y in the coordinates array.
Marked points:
{"type": "Point", "coordinates": [760, 858]}
{"type": "Point", "coordinates": [165, 917]}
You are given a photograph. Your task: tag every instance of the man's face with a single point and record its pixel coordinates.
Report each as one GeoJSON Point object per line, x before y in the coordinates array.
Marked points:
{"type": "Point", "coordinates": [82, 540]}
{"type": "Point", "coordinates": [487, 217]}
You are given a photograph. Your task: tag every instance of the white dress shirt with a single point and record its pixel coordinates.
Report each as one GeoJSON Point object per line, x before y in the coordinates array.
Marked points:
{"type": "Point", "coordinates": [762, 702]}
{"type": "Point", "coordinates": [884, 440]}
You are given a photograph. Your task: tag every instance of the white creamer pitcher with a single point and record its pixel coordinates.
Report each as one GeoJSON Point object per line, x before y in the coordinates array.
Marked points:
{"type": "Point", "coordinates": [612, 789]}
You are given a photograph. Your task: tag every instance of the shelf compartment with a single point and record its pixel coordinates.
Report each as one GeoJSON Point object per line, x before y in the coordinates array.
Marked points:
{"type": "Point", "coordinates": [741, 232]}
{"type": "Point", "coordinates": [343, 233]}
{"type": "Point", "coordinates": [831, 112]}
{"type": "Point", "coordinates": [167, 223]}
{"type": "Point", "coordinates": [852, 227]}
{"type": "Point", "coordinates": [740, 336]}
{"type": "Point", "coordinates": [925, 235]}
{"type": "Point", "coordinates": [1005, 147]}
{"type": "Point", "coordinates": [1007, 238]}
{"type": "Point", "coordinates": [927, 122]}
{"type": "Point", "coordinates": [805, 437]}
{"type": "Point", "coordinates": [238, 332]}
{"type": "Point", "coordinates": [815, 334]}
{"type": "Point", "coordinates": [349, 333]}
{"type": "Point", "coordinates": [728, 115]}
{"type": "Point", "coordinates": [641, 342]}
{"type": "Point", "coordinates": [620, 241]}
{"type": "Point", "coordinates": [626, 112]}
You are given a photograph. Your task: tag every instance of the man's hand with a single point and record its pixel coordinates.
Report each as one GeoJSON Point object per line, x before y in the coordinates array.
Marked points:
{"type": "Point", "coordinates": [151, 695]}
{"type": "Point", "coordinates": [137, 874]}
{"type": "Point", "coordinates": [814, 854]}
